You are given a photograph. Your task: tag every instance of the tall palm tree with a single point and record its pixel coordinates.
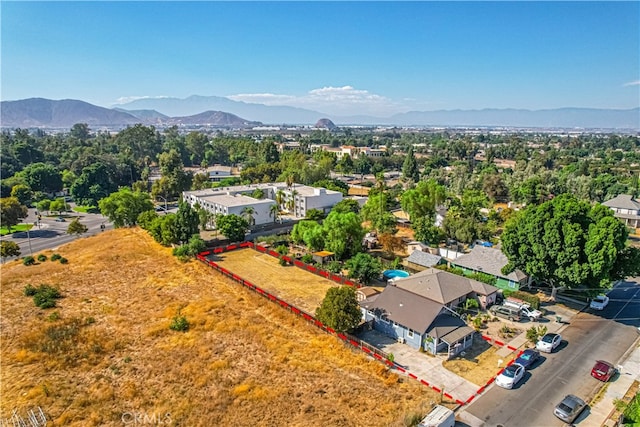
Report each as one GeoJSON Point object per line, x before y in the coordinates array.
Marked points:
{"type": "Point", "coordinates": [280, 198]}
{"type": "Point", "coordinates": [274, 211]}
{"type": "Point", "coordinates": [248, 213]}
{"type": "Point", "coordinates": [292, 202]}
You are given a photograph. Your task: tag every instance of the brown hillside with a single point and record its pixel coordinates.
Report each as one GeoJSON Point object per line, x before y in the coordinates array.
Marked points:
{"type": "Point", "coordinates": [106, 353]}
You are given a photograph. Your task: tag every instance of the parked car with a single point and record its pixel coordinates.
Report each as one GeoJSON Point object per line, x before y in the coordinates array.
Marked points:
{"type": "Point", "coordinates": [528, 358]}
{"type": "Point", "coordinates": [569, 409]}
{"type": "Point", "coordinates": [524, 307]}
{"type": "Point", "coordinates": [505, 312]}
{"type": "Point", "coordinates": [510, 376]}
{"type": "Point", "coordinates": [599, 302]}
{"type": "Point", "coordinates": [60, 219]}
{"type": "Point", "coordinates": [603, 370]}
{"type": "Point", "coordinates": [548, 342]}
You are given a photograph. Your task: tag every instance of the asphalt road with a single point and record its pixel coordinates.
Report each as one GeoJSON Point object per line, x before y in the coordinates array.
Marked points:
{"type": "Point", "coordinates": [591, 335]}
{"type": "Point", "coordinates": [50, 234]}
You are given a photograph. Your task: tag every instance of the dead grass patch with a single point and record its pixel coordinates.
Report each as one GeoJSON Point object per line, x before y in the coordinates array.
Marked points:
{"type": "Point", "coordinates": [478, 365]}
{"type": "Point", "coordinates": [244, 360]}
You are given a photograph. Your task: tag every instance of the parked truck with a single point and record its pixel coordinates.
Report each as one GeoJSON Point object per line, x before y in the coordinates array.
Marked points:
{"type": "Point", "coordinates": [524, 307]}
{"type": "Point", "coordinates": [440, 416]}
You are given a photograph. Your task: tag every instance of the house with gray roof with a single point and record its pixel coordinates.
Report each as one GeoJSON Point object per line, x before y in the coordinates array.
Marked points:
{"type": "Point", "coordinates": [626, 208]}
{"type": "Point", "coordinates": [417, 321]}
{"type": "Point", "coordinates": [448, 289]}
{"type": "Point", "coordinates": [419, 260]}
{"type": "Point", "coordinates": [490, 261]}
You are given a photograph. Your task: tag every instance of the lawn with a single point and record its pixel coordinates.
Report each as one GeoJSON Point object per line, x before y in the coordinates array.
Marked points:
{"type": "Point", "coordinates": [15, 229]}
{"type": "Point", "coordinates": [85, 209]}
{"type": "Point", "coordinates": [106, 350]}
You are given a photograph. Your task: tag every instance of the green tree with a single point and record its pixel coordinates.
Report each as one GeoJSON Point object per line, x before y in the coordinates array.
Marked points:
{"type": "Point", "coordinates": [364, 267]}
{"type": "Point", "coordinates": [343, 234]}
{"type": "Point", "coordinates": [124, 206]}
{"type": "Point", "coordinates": [377, 212]}
{"type": "Point", "coordinates": [232, 226]}
{"type": "Point", "coordinates": [59, 205]}
{"type": "Point", "coordinates": [339, 309]}
{"type": "Point", "coordinates": [42, 177]}
{"type": "Point", "coordinates": [75, 227]}
{"type": "Point", "coordinates": [410, 166]}
{"type": "Point", "coordinates": [187, 222]}
{"type": "Point", "coordinates": [568, 243]}
{"type": "Point", "coordinates": [314, 214]}
{"type": "Point", "coordinates": [423, 200]}
{"type": "Point", "coordinates": [43, 205]}
{"type": "Point", "coordinates": [425, 231]}
{"type": "Point", "coordinates": [346, 205]}
{"type": "Point", "coordinates": [9, 249]}
{"type": "Point", "coordinates": [248, 213]}
{"type": "Point", "coordinates": [11, 212]}
{"type": "Point", "coordinates": [23, 193]}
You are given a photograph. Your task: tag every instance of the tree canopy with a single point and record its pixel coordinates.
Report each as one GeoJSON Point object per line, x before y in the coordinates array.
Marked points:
{"type": "Point", "coordinates": [11, 212]}
{"type": "Point", "coordinates": [339, 309]}
{"type": "Point", "coordinates": [364, 267]}
{"type": "Point", "coordinates": [570, 243]}
{"type": "Point", "coordinates": [232, 226]}
{"type": "Point", "coordinates": [124, 206]}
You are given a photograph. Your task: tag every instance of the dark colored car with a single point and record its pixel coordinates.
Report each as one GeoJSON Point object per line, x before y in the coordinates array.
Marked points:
{"type": "Point", "coordinates": [569, 409]}
{"type": "Point", "coordinates": [603, 370]}
{"type": "Point", "coordinates": [528, 358]}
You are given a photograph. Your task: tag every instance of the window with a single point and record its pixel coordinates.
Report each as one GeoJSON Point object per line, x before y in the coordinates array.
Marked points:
{"type": "Point", "coordinates": [410, 333]}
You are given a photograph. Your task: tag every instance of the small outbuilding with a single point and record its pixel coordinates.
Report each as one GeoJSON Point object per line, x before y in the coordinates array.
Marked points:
{"type": "Point", "coordinates": [323, 257]}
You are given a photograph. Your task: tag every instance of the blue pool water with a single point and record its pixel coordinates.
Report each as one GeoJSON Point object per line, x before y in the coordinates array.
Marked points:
{"type": "Point", "coordinates": [394, 274]}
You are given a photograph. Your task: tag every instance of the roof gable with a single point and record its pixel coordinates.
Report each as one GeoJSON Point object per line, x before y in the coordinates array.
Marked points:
{"type": "Point", "coordinates": [404, 307]}
{"type": "Point", "coordinates": [424, 259]}
{"type": "Point", "coordinates": [623, 201]}
{"type": "Point", "coordinates": [488, 260]}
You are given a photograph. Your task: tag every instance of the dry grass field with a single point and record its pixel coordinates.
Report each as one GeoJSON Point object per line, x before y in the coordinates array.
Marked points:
{"type": "Point", "coordinates": [106, 353]}
{"type": "Point", "coordinates": [301, 288]}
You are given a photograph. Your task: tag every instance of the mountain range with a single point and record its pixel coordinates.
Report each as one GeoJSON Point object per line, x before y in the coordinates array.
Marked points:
{"type": "Point", "coordinates": [223, 112]}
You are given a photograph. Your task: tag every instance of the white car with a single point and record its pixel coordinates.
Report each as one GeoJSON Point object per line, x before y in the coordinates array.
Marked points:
{"type": "Point", "coordinates": [599, 302]}
{"type": "Point", "coordinates": [510, 376]}
{"type": "Point", "coordinates": [548, 342]}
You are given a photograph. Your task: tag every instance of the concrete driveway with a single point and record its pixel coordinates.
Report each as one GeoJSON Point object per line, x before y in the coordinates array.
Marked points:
{"type": "Point", "coordinates": [423, 366]}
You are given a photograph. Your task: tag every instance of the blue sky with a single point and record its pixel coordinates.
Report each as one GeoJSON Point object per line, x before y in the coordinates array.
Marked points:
{"type": "Point", "coordinates": [342, 57]}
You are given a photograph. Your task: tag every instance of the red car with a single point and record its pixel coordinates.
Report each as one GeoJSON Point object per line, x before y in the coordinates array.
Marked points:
{"type": "Point", "coordinates": [603, 370]}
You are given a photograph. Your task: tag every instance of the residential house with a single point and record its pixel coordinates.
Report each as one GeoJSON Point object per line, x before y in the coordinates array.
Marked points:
{"type": "Point", "coordinates": [419, 260]}
{"type": "Point", "coordinates": [626, 208]}
{"type": "Point", "coordinates": [417, 321]}
{"type": "Point", "coordinates": [490, 261]}
{"type": "Point", "coordinates": [448, 289]}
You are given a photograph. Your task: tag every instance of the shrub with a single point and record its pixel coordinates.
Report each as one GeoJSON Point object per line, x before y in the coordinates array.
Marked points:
{"type": "Point", "coordinates": [55, 257]}
{"type": "Point", "coordinates": [42, 258]}
{"type": "Point", "coordinates": [63, 260]}
{"type": "Point", "coordinates": [44, 296]}
{"type": "Point", "coordinates": [534, 333]}
{"type": "Point", "coordinates": [307, 258]}
{"type": "Point", "coordinates": [28, 260]}
{"type": "Point", "coordinates": [179, 323]}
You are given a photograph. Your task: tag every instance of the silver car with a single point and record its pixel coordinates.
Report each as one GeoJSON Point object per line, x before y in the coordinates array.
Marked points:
{"type": "Point", "coordinates": [569, 409]}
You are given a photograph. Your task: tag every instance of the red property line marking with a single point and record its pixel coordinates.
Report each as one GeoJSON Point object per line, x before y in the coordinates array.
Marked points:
{"type": "Point", "coordinates": [413, 376]}
{"type": "Point", "coordinates": [470, 399]}
{"type": "Point", "coordinates": [511, 348]}
{"type": "Point", "coordinates": [493, 379]}
{"type": "Point", "coordinates": [486, 338]}
{"type": "Point", "coordinates": [447, 395]}
{"type": "Point", "coordinates": [459, 402]}
{"type": "Point", "coordinates": [424, 382]}
{"type": "Point", "coordinates": [499, 343]}
{"type": "Point", "coordinates": [436, 389]}
{"type": "Point", "coordinates": [397, 367]}
{"type": "Point", "coordinates": [480, 390]}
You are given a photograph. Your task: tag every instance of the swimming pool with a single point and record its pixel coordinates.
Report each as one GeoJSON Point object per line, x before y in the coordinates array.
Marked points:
{"type": "Point", "coordinates": [394, 274]}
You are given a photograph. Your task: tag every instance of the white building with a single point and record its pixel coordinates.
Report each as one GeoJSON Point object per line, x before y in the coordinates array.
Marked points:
{"type": "Point", "coordinates": [296, 200]}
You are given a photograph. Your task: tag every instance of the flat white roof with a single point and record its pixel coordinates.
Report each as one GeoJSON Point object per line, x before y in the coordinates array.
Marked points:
{"type": "Point", "coordinates": [236, 200]}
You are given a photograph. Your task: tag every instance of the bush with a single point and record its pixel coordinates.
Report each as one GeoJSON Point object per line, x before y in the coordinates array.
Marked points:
{"type": "Point", "coordinates": [55, 257]}
{"type": "Point", "coordinates": [45, 296]}
{"type": "Point", "coordinates": [179, 323]}
{"type": "Point", "coordinates": [63, 260]}
{"type": "Point", "coordinates": [307, 258]}
{"type": "Point", "coordinates": [30, 290]}
{"type": "Point", "coordinates": [42, 258]}
{"type": "Point", "coordinates": [28, 260]}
